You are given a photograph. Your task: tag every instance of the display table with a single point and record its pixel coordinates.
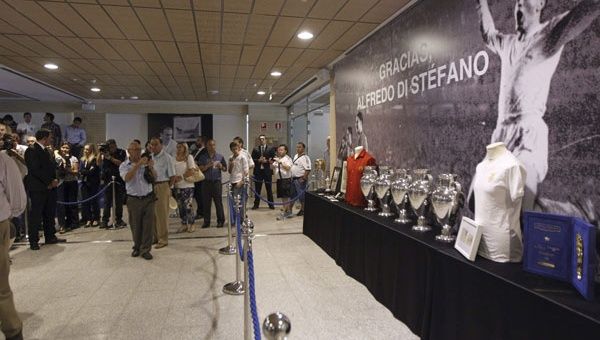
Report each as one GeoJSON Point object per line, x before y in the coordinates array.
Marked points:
{"type": "Point", "coordinates": [438, 293]}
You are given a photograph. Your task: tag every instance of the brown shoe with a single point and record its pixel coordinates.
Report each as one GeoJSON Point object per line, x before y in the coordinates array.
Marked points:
{"type": "Point", "coordinates": [191, 228]}
{"type": "Point", "coordinates": [182, 229]}
{"type": "Point", "coordinates": [160, 245]}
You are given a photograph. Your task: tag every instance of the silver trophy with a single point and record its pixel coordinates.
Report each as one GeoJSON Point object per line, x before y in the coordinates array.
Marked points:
{"type": "Point", "coordinates": [399, 190]}
{"type": "Point", "coordinates": [366, 186]}
{"type": "Point", "coordinates": [382, 188]}
{"type": "Point", "coordinates": [444, 200]}
{"type": "Point", "coordinates": [417, 194]}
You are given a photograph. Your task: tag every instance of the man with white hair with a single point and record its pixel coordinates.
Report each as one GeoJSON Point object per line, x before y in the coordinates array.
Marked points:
{"type": "Point", "coordinates": [529, 59]}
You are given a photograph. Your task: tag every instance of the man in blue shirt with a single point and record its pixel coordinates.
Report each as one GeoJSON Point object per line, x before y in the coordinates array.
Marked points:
{"type": "Point", "coordinates": [76, 137]}
{"type": "Point", "coordinates": [140, 199]}
{"type": "Point", "coordinates": [212, 165]}
{"type": "Point", "coordinates": [164, 166]}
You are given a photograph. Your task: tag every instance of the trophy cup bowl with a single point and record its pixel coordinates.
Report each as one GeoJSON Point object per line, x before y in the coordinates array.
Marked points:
{"type": "Point", "coordinates": [443, 200]}
{"type": "Point", "coordinates": [398, 190]}
{"type": "Point", "coordinates": [382, 187]}
{"type": "Point", "coordinates": [366, 186]}
{"type": "Point", "coordinates": [417, 195]}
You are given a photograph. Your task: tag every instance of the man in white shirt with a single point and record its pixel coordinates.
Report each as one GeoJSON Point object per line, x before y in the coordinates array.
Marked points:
{"type": "Point", "coordinates": [26, 128]}
{"type": "Point", "coordinates": [12, 203]}
{"type": "Point", "coordinates": [300, 169]}
{"type": "Point", "coordinates": [529, 59]}
{"type": "Point", "coordinates": [237, 168]}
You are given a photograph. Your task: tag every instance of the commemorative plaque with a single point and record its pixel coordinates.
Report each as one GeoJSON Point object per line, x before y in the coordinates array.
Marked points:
{"type": "Point", "coordinates": [561, 247]}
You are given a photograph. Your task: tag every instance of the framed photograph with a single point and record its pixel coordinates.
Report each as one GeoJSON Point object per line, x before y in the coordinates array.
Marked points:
{"type": "Point", "coordinates": [186, 129]}
{"type": "Point", "coordinates": [335, 179]}
{"type": "Point", "coordinates": [468, 238]}
{"type": "Point", "coordinates": [344, 177]}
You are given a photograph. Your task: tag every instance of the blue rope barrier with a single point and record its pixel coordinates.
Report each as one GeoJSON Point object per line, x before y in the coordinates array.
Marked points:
{"type": "Point", "coordinates": [251, 288]}
{"type": "Point", "coordinates": [87, 199]}
{"type": "Point", "coordinates": [300, 193]}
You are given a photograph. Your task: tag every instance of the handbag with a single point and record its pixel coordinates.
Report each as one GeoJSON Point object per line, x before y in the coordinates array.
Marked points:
{"type": "Point", "coordinates": [197, 176]}
{"type": "Point", "coordinates": [283, 185]}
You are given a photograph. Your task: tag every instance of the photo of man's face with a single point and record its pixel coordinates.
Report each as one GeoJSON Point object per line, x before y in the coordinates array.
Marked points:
{"type": "Point", "coordinates": [358, 126]}
{"type": "Point", "coordinates": [166, 135]}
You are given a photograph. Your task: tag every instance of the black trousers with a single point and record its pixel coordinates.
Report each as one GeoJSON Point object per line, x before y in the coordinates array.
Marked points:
{"type": "Point", "coordinates": [42, 213]}
{"type": "Point", "coordinates": [198, 198]}
{"type": "Point", "coordinates": [263, 176]}
{"type": "Point", "coordinates": [68, 215]}
{"type": "Point", "coordinates": [212, 191]}
{"type": "Point", "coordinates": [141, 220]}
{"type": "Point", "coordinates": [119, 200]}
{"type": "Point", "coordinates": [90, 211]}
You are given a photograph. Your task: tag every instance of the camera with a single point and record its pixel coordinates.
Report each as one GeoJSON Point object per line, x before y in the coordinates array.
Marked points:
{"type": "Point", "coordinates": [8, 142]}
{"type": "Point", "coordinates": [147, 155]}
{"type": "Point", "coordinates": [103, 147]}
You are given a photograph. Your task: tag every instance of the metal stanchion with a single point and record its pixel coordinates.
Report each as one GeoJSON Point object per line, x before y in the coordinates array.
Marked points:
{"type": "Point", "coordinates": [247, 230]}
{"type": "Point", "coordinates": [277, 326]}
{"type": "Point", "coordinates": [113, 210]}
{"type": "Point", "coordinates": [236, 287]}
{"type": "Point", "coordinates": [230, 249]}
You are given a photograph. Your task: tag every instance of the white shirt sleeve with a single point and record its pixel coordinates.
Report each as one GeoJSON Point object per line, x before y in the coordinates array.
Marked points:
{"type": "Point", "coordinates": [515, 182]}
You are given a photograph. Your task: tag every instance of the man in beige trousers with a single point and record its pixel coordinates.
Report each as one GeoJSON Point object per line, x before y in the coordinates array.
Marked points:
{"type": "Point", "coordinates": [164, 165]}
{"type": "Point", "coordinates": [12, 203]}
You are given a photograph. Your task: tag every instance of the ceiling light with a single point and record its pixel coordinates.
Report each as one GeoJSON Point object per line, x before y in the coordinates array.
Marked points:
{"type": "Point", "coordinates": [51, 66]}
{"type": "Point", "coordinates": [214, 92]}
{"type": "Point", "coordinates": [95, 89]}
{"type": "Point", "coordinates": [276, 74]}
{"type": "Point", "coordinates": [133, 97]}
{"type": "Point", "coordinates": [305, 35]}
{"type": "Point", "coordinates": [260, 93]}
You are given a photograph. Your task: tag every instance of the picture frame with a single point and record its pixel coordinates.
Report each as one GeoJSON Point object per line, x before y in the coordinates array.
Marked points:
{"type": "Point", "coordinates": [468, 238]}
{"type": "Point", "coordinates": [344, 177]}
{"type": "Point", "coordinates": [335, 179]}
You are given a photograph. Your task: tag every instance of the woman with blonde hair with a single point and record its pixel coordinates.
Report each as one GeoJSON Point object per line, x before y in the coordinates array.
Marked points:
{"type": "Point", "coordinates": [184, 190]}
{"type": "Point", "coordinates": [90, 185]}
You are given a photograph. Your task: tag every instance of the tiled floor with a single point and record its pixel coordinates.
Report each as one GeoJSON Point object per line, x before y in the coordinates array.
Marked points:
{"type": "Point", "coordinates": [90, 288]}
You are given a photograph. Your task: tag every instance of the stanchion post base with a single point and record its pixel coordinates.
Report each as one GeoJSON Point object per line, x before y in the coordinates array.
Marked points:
{"type": "Point", "coordinates": [234, 288]}
{"type": "Point", "coordinates": [228, 250]}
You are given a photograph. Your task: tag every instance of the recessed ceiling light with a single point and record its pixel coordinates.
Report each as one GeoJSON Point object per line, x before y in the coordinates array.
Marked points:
{"type": "Point", "coordinates": [305, 35]}
{"type": "Point", "coordinates": [214, 92]}
{"type": "Point", "coordinates": [276, 74]}
{"type": "Point", "coordinates": [260, 93]}
{"type": "Point", "coordinates": [133, 97]}
{"type": "Point", "coordinates": [51, 66]}
{"type": "Point", "coordinates": [95, 89]}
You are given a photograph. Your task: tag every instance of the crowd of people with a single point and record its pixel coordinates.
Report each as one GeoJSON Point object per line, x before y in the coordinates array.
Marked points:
{"type": "Point", "coordinates": [73, 184]}
{"type": "Point", "coordinates": [49, 179]}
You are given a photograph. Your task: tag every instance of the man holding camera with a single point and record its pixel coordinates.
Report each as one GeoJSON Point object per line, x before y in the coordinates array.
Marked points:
{"type": "Point", "coordinates": [138, 174]}
{"type": "Point", "coordinates": [112, 157]}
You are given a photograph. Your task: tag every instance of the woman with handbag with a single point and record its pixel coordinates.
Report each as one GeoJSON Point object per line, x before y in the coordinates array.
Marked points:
{"type": "Point", "coordinates": [186, 174]}
{"type": "Point", "coordinates": [282, 166]}
{"type": "Point", "coordinates": [90, 185]}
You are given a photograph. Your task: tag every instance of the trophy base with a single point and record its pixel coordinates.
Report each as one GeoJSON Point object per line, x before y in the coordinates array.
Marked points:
{"type": "Point", "coordinates": [234, 288]}
{"type": "Point", "coordinates": [402, 220]}
{"type": "Point", "coordinates": [370, 209]}
{"type": "Point", "coordinates": [385, 214]}
{"type": "Point", "coordinates": [445, 238]}
{"type": "Point", "coordinates": [228, 250]}
{"type": "Point", "coordinates": [421, 228]}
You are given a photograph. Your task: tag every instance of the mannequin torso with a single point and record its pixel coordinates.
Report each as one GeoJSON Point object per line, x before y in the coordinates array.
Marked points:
{"type": "Point", "coordinates": [495, 150]}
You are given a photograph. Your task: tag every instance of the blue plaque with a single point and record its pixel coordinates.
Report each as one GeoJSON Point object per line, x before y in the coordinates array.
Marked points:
{"type": "Point", "coordinates": [561, 247]}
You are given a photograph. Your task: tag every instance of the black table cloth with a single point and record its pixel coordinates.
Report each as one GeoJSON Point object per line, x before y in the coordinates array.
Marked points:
{"type": "Point", "coordinates": [439, 294]}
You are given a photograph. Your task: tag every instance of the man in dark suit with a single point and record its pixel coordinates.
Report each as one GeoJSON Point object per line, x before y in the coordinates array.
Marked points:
{"type": "Point", "coordinates": [262, 156]}
{"type": "Point", "coordinates": [199, 150]}
{"type": "Point", "coordinates": [41, 184]}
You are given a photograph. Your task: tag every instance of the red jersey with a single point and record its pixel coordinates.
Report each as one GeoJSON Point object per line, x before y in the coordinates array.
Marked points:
{"type": "Point", "coordinates": [355, 168]}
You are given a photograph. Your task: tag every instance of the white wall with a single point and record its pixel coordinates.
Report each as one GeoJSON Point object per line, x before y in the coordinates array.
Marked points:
{"type": "Point", "coordinates": [124, 127]}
